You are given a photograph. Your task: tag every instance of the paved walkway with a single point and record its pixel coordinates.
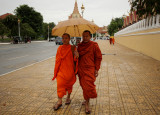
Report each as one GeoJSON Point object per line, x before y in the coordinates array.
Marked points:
{"type": "Point", "coordinates": [128, 83]}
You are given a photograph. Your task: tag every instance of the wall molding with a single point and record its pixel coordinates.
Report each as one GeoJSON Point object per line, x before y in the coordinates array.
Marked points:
{"type": "Point", "coordinates": [147, 33]}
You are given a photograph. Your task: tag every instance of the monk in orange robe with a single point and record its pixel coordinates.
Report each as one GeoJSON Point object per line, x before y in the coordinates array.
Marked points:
{"type": "Point", "coordinates": [110, 41]}
{"type": "Point", "coordinates": [65, 71]}
{"type": "Point", "coordinates": [88, 65]}
{"type": "Point", "coordinates": [113, 40]}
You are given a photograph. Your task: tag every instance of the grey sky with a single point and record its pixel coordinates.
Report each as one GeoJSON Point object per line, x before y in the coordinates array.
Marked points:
{"type": "Point", "coordinates": [101, 11]}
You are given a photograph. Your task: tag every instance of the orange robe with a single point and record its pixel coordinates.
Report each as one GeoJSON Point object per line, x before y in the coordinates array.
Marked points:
{"type": "Point", "coordinates": [89, 59]}
{"type": "Point", "coordinates": [64, 70]}
{"type": "Point", "coordinates": [113, 41]}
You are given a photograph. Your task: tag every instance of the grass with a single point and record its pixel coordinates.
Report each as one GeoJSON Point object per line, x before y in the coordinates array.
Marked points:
{"type": "Point", "coordinates": [41, 39]}
{"type": "Point", "coordinates": [5, 40]}
{"type": "Point", "coordinates": [10, 39]}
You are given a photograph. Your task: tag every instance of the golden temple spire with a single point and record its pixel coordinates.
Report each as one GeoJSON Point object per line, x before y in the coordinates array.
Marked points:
{"type": "Point", "coordinates": [75, 13]}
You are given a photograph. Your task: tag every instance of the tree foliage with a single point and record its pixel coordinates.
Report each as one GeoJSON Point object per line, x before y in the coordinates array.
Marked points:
{"type": "Point", "coordinates": [45, 29]}
{"type": "Point", "coordinates": [51, 26]}
{"type": "Point", "coordinates": [115, 25]}
{"type": "Point", "coordinates": [28, 15]}
{"type": "Point", "coordinates": [11, 22]}
{"type": "Point", "coordinates": [31, 23]}
{"type": "Point", "coordinates": [3, 30]}
{"type": "Point", "coordinates": [146, 7]}
{"type": "Point", "coordinates": [27, 31]}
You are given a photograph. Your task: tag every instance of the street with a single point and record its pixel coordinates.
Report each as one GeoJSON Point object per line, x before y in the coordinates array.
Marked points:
{"type": "Point", "coordinates": [15, 56]}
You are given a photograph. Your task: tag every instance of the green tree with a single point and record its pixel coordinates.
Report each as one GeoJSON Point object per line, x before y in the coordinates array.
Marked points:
{"type": "Point", "coordinates": [115, 25]}
{"type": "Point", "coordinates": [51, 26]}
{"type": "Point", "coordinates": [1, 20]}
{"type": "Point", "coordinates": [146, 8]}
{"type": "Point", "coordinates": [3, 30]}
{"type": "Point", "coordinates": [28, 15]}
{"type": "Point", "coordinates": [11, 22]}
{"type": "Point", "coordinates": [45, 29]}
{"type": "Point", "coordinates": [27, 31]}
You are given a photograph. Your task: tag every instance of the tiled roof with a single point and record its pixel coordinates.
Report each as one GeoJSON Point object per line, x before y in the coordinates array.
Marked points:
{"type": "Point", "coordinates": [5, 15]}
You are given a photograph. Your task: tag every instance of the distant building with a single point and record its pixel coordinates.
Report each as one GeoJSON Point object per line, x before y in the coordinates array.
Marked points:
{"type": "Point", "coordinates": [129, 20]}
{"type": "Point", "coordinates": [5, 15]}
{"type": "Point", "coordinates": [132, 18]}
{"type": "Point", "coordinates": [102, 31]}
{"type": "Point", "coordinates": [75, 13]}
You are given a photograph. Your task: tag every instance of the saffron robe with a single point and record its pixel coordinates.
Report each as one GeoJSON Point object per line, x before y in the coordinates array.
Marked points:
{"type": "Point", "coordinates": [89, 60]}
{"type": "Point", "coordinates": [113, 41]}
{"type": "Point", "coordinates": [64, 70]}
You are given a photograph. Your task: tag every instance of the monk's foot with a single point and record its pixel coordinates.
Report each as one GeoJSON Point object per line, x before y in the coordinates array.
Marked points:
{"type": "Point", "coordinates": [87, 110]}
{"type": "Point", "coordinates": [68, 101]}
{"type": "Point", "coordinates": [84, 102]}
{"type": "Point", "coordinates": [57, 106]}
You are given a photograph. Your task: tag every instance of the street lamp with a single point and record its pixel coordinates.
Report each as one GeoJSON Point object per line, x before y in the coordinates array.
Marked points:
{"type": "Point", "coordinates": [19, 29]}
{"type": "Point", "coordinates": [48, 32]}
{"type": "Point", "coordinates": [82, 8]}
{"type": "Point", "coordinates": [93, 22]}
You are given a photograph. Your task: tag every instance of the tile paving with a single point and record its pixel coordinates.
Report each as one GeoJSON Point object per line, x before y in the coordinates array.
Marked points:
{"type": "Point", "coordinates": [128, 84]}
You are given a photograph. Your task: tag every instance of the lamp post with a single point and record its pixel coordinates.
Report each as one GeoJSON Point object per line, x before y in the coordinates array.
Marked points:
{"type": "Point", "coordinates": [96, 35]}
{"type": "Point", "coordinates": [92, 34]}
{"type": "Point", "coordinates": [82, 8]}
{"type": "Point", "coordinates": [19, 29]}
{"type": "Point", "coordinates": [48, 32]}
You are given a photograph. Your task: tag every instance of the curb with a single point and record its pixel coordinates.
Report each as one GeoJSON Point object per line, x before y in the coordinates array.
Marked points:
{"type": "Point", "coordinates": [5, 43]}
{"type": "Point", "coordinates": [26, 66]}
{"type": "Point", "coordinates": [40, 41]}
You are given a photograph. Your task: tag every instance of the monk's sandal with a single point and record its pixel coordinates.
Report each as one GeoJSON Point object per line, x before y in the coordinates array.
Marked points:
{"type": "Point", "coordinates": [56, 108]}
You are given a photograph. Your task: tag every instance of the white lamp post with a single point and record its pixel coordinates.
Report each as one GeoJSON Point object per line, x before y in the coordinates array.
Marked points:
{"type": "Point", "coordinates": [92, 34]}
{"type": "Point", "coordinates": [82, 8]}
{"type": "Point", "coordinates": [48, 32]}
{"type": "Point", "coordinates": [19, 29]}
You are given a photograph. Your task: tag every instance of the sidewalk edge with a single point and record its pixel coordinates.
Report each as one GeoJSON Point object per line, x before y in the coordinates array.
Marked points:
{"type": "Point", "coordinates": [26, 66]}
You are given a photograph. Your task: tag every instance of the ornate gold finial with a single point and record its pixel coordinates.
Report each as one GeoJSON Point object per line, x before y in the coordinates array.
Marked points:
{"type": "Point", "coordinates": [82, 7]}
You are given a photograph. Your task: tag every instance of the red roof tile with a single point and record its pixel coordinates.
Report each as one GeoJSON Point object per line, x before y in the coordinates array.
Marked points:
{"type": "Point", "coordinates": [5, 15]}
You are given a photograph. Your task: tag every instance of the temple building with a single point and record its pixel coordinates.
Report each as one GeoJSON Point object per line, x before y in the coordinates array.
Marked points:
{"type": "Point", "coordinates": [131, 18]}
{"type": "Point", "coordinates": [5, 15]}
{"type": "Point", "coordinates": [75, 13]}
{"type": "Point", "coordinates": [103, 31]}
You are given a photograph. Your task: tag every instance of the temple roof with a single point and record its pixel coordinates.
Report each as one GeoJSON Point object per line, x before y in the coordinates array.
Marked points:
{"type": "Point", "coordinates": [5, 15]}
{"type": "Point", "coordinates": [75, 11]}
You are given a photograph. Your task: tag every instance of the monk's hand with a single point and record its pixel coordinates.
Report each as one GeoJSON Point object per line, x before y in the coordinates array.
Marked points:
{"type": "Point", "coordinates": [76, 54]}
{"type": "Point", "coordinates": [96, 73]}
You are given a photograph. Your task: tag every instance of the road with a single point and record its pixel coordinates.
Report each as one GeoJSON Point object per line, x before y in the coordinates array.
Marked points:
{"type": "Point", "coordinates": [15, 56]}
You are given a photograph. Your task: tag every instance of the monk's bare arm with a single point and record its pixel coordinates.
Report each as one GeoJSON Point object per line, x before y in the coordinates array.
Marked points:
{"type": "Point", "coordinates": [76, 54]}
{"type": "Point", "coordinates": [57, 60]}
{"type": "Point", "coordinates": [98, 59]}
{"type": "Point", "coordinates": [57, 55]}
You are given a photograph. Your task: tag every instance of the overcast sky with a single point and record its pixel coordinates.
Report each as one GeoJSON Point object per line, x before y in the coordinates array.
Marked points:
{"type": "Point", "coordinates": [101, 11]}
